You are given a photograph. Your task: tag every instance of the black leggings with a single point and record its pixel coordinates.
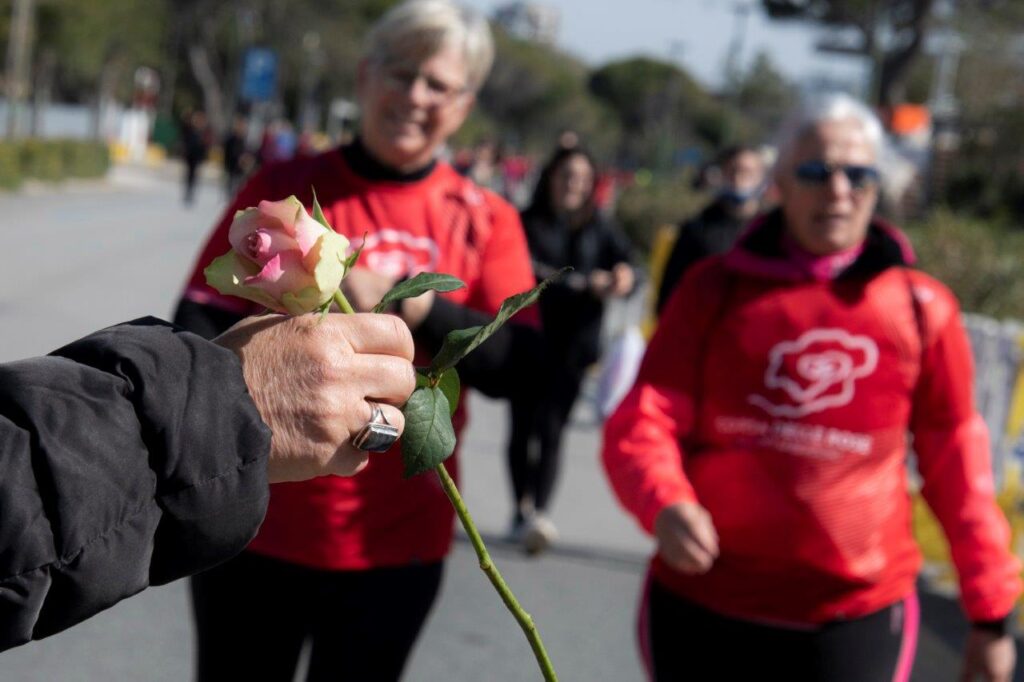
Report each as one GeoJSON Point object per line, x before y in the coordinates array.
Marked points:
{"type": "Point", "coordinates": [535, 441]}
{"type": "Point", "coordinates": [682, 641]}
{"type": "Point", "coordinates": [253, 614]}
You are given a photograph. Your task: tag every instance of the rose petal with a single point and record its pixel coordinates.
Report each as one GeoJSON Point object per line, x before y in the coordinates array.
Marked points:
{"type": "Point", "coordinates": [307, 231]}
{"type": "Point", "coordinates": [283, 274]}
{"type": "Point", "coordinates": [251, 220]}
{"type": "Point", "coordinates": [327, 258]}
{"type": "Point", "coordinates": [286, 212]}
{"type": "Point", "coordinates": [227, 275]}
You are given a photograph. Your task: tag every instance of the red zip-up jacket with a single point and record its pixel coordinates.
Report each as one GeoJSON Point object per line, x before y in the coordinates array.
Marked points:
{"type": "Point", "coordinates": [441, 223]}
{"type": "Point", "coordinates": [782, 405]}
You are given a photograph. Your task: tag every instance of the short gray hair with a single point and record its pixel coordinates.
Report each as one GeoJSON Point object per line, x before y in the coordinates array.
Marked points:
{"type": "Point", "coordinates": [417, 29]}
{"type": "Point", "coordinates": [824, 107]}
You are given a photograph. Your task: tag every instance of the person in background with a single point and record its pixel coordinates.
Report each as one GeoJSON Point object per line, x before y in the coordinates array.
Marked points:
{"type": "Point", "coordinates": [563, 228]}
{"type": "Point", "coordinates": [485, 169]}
{"type": "Point", "coordinates": [764, 443]}
{"type": "Point", "coordinates": [195, 144]}
{"type": "Point", "coordinates": [141, 453]}
{"type": "Point", "coordinates": [238, 160]}
{"type": "Point", "coordinates": [741, 175]}
{"type": "Point", "coordinates": [372, 547]}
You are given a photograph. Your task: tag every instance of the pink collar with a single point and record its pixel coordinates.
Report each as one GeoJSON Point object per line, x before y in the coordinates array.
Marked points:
{"type": "Point", "coordinates": [819, 268]}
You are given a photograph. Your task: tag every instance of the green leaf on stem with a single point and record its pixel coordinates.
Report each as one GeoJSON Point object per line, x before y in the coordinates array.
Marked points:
{"type": "Point", "coordinates": [353, 258]}
{"type": "Point", "coordinates": [459, 343]}
{"type": "Point", "coordinates": [415, 286]}
{"type": "Point", "coordinates": [452, 388]}
{"type": "Point", "coordinates": [318, 213]}
{"type": "Point", "coordinates": [428, 438]}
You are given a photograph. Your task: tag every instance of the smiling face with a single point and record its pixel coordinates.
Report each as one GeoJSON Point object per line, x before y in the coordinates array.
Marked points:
{"type": "Point", "coordinates": [833, 215]}
{"type": "Point", "coordinates": [410, 110]}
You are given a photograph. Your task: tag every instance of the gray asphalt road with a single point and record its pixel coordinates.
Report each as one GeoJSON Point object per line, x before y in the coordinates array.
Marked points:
{"type": "Point", "coordinates": [93, 254]}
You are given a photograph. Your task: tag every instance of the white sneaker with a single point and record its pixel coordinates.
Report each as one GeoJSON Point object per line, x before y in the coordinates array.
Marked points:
{"type": "Point", "coordinates": [538, 534]}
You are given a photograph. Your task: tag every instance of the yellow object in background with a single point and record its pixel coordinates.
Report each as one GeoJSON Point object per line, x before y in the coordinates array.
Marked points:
{"type": "Point", "coordinates": [661, 248]}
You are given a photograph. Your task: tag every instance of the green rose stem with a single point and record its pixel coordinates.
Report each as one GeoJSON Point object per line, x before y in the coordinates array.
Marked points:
{"type": "Point", "coordinates": [488, 567]}
{"type": "Point", "coordinates": [467, 340]}
{"type": "Point", "coordinates": [343, 303]}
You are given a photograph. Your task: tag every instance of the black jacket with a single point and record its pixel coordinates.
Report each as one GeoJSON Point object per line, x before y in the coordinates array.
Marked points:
{"type": "Point", "coordinates": [129, 458]}
{"type": "Point", "coordinates": [570, 313]}
{"type": "Point", "coordinates": [714, 230]}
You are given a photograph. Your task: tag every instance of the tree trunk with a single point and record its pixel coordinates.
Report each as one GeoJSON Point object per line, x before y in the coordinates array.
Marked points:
{"type": "Point", "coordinates": [213, 93]}
{"type": "Point", "coordinates": [895, 67]}
{"type": "Point", "coordinates": [43, 90]}
{"type": "Point", "coordinates": [19, 51]}
{"type": "Point", "coordinates": [109, 75]}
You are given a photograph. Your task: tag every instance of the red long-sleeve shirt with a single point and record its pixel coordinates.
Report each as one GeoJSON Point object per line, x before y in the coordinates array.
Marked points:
{"type": "Point", "coordinates": [782, 405]}
{"type": "Point", "coordinates": [441, 223]}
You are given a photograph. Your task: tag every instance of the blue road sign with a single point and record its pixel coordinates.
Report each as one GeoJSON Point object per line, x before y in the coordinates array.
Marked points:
{"type": "Point", "coordinates": [259, 74]}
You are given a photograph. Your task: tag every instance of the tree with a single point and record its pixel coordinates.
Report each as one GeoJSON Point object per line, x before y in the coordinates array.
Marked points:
{"type": "Point", "coordinates": [663, 109]}
{"type": "Point", "coordinates": [534, 92]}
{"type": "Point", "coordinates": [763, 94]}
{"type": "Point", "coordinates": [890, 33]}
{"type": "Point", "coordinates": [90, 50]}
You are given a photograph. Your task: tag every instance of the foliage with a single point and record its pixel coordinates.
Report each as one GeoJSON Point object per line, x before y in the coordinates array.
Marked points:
{"type": "Point", "coordinates": [763, 94]}
{"type": "Point", "coordinates": [88, 37]}
{"type": "Point", "coordinates": [891, 33]}
{"type": "Point", "coordinates": [978, 260]}
{"type": "Point", "coordinates": [534, 92]}
{"type": "Point", "coordinates": [51, 161]}
{"type": "Point", "coordinates": [10, 166]}
{"type": "Point", "coordinates": [645, 206]}
{"type": "Point", "coordinates": [659, 106]}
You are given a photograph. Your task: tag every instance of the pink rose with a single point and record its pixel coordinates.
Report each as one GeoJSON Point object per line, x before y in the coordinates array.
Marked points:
{"type": "Point", "coordinates": [281, 258]}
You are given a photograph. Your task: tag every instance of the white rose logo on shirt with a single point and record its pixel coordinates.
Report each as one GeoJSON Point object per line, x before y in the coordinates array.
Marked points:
{"type": "Point", "coordinates": [396, 253]}
{"type": "Point", "coordinates": [816, 372]}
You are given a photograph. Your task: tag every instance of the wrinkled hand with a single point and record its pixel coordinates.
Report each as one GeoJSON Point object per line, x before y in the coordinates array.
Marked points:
{"type": "Point", "coordinates": [686, 537]}
{"type": "Point", "coordinates": [365, 288]}
{"type": "Point", "coordinates": [988, 657]}
{"type": "Point", "coordinates": [311, 382]}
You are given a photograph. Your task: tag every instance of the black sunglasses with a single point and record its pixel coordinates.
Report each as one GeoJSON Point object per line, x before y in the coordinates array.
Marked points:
{"type": "Point", "coordinates": [818, 173]}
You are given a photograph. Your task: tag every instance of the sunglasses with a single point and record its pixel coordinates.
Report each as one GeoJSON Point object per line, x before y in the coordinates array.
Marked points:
{"type": "Point", "coordinates": [818, 173]}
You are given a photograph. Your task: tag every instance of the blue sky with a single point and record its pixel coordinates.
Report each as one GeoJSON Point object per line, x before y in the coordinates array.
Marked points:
{"type": "Point", "coordinates": [695, 33]}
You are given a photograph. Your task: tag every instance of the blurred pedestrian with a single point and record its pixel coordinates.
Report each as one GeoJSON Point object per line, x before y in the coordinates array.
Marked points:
{"type": "Point", "coordinates": [764, 444]}
{"type": "Point", "coordinates": [741, 177]}
{"type": "Point", "coordinates": [195, 142]}
{"type": "Point", "coordinates": [238, 160]}
{"type": "Point", "coordinates": [563, 228]}
{"type": "Point", "coordinates": [354, 565]}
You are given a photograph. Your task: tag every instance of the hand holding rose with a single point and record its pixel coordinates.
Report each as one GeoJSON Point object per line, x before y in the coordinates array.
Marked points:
{"type": "Point", "coordinates": [312, 382]}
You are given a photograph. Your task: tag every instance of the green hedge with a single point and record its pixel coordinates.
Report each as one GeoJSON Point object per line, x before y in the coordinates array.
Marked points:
{"type": "Point", "coordinates": [51, 160]}
{"type": "Point", "coordinates": [979, 260]}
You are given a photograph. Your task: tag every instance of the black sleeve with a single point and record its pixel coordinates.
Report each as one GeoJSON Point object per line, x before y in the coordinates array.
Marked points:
{"type": "Point", "coordinates": [129, 458]}
{"type": "Point", "coordinates": [685, 252]}
{"type": "Point", "coordinates": [617, 247]}
{"type": "Point", "coordinates": [206, 320]}
{"type": "Point", "coordinates": [503, 366]}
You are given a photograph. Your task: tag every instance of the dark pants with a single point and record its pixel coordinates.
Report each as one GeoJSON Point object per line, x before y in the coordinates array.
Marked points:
{"type": "Point", "coordinates": [535, 442]}
{"type": "Point", "coordinates": [191, 175]}
{"type": "Point", "coordinates": [253, 614]}
{"type": "Point", "coordinates": [682, 641]}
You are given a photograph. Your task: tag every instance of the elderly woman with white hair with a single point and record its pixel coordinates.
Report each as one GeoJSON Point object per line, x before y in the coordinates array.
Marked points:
{"type": "Point", "coordinates": [353, 565]}
{"type": "Point", "coordinates": [764, 444]}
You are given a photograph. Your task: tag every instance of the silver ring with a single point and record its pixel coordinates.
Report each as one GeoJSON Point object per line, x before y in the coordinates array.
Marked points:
{"type": "Point", "coordinates": [377, 435]}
